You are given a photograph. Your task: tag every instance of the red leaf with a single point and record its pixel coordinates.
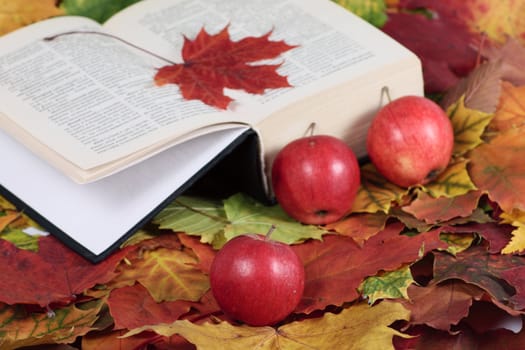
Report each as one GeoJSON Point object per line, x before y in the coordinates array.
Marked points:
{"type": "Point", "coordinates": [336, 266]}
{"type": "Point", "coordinates": [498, 274]}
{"type": "Point", "coordinates": [441, 305]}
{"type": "Point", "coordinates": [53, 275]}
{"type": "Point", "coordinates": [214, 62]}
{"type": "Point", "coordinates": [443, 45]}
{"type": "Point", "coordinates": [133, 307]}
{"type": "Point", "coordinates": [204, 252]}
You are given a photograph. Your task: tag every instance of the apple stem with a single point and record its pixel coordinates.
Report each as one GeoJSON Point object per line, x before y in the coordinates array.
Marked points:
{"type": "Point", "coordinates": [269, 233]}
{"type": "Point", "coordinates": [386, 91]}
{"type": "Point", "coordinates": [310, 130]}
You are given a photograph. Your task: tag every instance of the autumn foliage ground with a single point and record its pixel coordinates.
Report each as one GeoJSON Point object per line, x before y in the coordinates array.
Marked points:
{"type": "Point", "coordinates": [434, 267]}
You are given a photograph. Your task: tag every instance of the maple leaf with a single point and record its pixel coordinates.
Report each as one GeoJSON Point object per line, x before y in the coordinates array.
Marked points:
{"type": "Point", "coordinates": [18, 328]}
{"type": "Point", "coordinates": [499, 275]}
{"type": "Point", "coordinates": [511, 57]}
{"type": "Point", "coordinates": [217, 222]}
{"type": "Point", "coordinates": [204, 252]}
{"type": "Point", "coordinates": [517, 243]}
{"type": "Point", "coordinates": [359, 226]}
{"type": "Point", "coordinates": [54, 274]}
{"type": "Point", "coordinates": [511, 109]}
{"type": "Point", "coordinates": [480, 89]}
{"type": "Point", "coordinates": [376, 194]}
{"type": "Point", "coordinates": [497, 19]}
{"type": "Point", "coordinates": [214, 62]}
{"type": "Point", "coordinates": [357, 327]}
{"type": "Point", "coordinates": [133, 307]}
{"type": "Point", "coordinates": [194, 216]}
{"type": "Point", "coordinates": [453, 181]}
{"type": "Point", "coordinates": [16, 14]}
{"type": "Point", "coordinates": [469, 125]}
{"type": "Point", "coordinates": [387, 285]}
{"type": "Point", "coordinates": [335, 267]}
{"type": "Point", "coordinates": [444, 49]}
{"type": "Point", "coordinates": [436, 210]}
{"type": "Point", "coordinates": [246, 215]}
{"type": "Point", "coordinates": [167, 274]}
{"type": "Point", "coordinates": [441, 305]}
{"type": "Point", "coordinates": [497, 168]}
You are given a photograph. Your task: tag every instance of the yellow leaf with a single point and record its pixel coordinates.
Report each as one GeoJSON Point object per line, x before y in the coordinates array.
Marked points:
{"type": "Point", "coordinates": [18, 13]}
{"type": "Point", "coordinates": [496, 18]}
{"type": "Point", "coordinates": [469, 125]}
{"type": "Point", "coordinates": [359, 327]}
{"type": "Point", "coordinates": [515, 218]}
{"type": "Point", "coordinates": [19, 329]}
{"type": "Point", "coordinates": [376, 194]}
{"type": "Point", "coordinates": [454, 181]}
{"type": "Point", "coordinates": [5, 204]}
{"type": "Point", "coordinates": [167, 274]}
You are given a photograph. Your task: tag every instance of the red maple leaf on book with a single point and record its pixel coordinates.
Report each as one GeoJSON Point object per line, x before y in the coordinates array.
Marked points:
{"type": "Point", "coordinates": [215, 62]}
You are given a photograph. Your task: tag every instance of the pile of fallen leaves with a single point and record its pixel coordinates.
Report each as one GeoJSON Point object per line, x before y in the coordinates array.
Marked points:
{"type": "Point", "coordinates": [430, 267]}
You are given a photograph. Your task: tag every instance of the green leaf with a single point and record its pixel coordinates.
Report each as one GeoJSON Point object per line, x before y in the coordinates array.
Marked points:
{"type": "Point", "coordinates": [372, 11]}
{"type": "Point", "coordinates": [389, 285]}
{"type": "Point", "coordinates": [469, 125]}
{"type": "Point", "coordinates": [99, 10]}
{"type": "Point", "coordinates": [21, 239]}
{"type": "Point", "coordinates": [249, 216]}
{"type": "Point", "coordinates": [194, 216]}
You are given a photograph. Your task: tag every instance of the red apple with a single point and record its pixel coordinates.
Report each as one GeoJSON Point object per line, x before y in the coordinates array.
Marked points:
{"type": "Point", "coordinates": [257, 280]}
{"type": "Point", "coordinates": [315, 179]}
{"type": "Point", "coordinates": [410, 141]}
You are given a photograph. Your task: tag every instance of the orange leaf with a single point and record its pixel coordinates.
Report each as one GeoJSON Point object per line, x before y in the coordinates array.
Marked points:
{"type": "Point", "coordinates": [7, 219]}
{"type": "Point", "coordinates": [498, 169]}
{"type": "Point", "coordinates": [214, 62]}
{"type": "Point", "coordinates": [167, 274]}
{"type": "Point", "coordinates": [435, 210]}
{"type": "Point", "coordinates": [360, 226]}
{"type": "Point", "coordinates": [511, 108]}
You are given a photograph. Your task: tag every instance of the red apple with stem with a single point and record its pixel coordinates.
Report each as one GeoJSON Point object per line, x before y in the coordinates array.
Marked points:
{"type": "Point", "coordinates": [410, 141]}
{"type": "Point", "coordinates": [315, 179]}
{"type": "Point", "coordinates": [257, 280]}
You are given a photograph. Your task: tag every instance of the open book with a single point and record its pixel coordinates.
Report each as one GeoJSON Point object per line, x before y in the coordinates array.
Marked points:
{"type": "Point", "coordinates": [93, 149]}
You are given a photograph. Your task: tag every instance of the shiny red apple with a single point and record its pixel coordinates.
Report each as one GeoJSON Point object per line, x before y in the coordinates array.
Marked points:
{"type": "Point", "coordinates": [315, 179]}
{"type": "Point", "coordinates": [410, 141]}
{"type": "Point", "coordinates": [257, 280]}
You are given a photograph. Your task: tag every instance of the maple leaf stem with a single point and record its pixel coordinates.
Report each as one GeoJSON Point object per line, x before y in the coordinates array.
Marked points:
{"type": "Point", "coordinates": [50, 38]}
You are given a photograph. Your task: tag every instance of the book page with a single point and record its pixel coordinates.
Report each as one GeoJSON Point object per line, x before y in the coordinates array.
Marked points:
{"type": "Point", "coordinates": [89, 97]}
{"type": "Point", "coordinates": [334, 46]}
